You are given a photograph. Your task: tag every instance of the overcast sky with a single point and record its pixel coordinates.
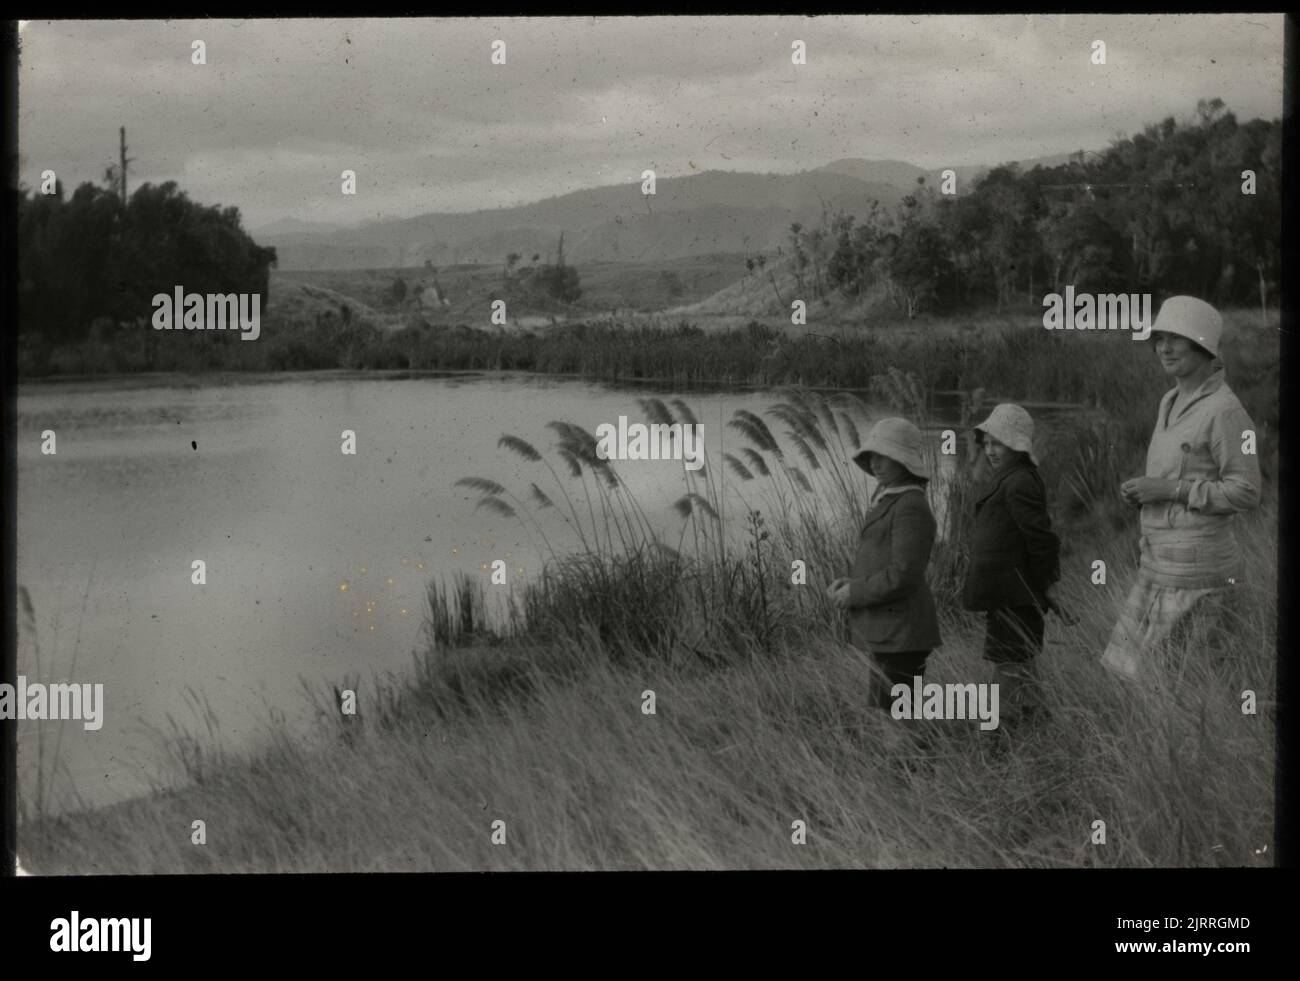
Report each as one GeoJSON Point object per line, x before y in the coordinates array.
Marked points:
{"type": "Point", "coordinates": [428, 123]}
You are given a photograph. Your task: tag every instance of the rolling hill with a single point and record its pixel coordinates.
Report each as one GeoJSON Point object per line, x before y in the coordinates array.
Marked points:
{"type": "Point", "coordinates": [706, 213]}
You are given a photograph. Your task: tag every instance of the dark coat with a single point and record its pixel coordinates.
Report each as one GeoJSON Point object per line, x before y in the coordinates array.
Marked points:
{"type": "Point", "coordinates": [1014, 554]}
{"type": "Point", "coordinates": [890, 606]}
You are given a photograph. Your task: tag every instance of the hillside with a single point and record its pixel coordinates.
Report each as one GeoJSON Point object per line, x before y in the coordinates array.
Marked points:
{"type": "Point", "coordinates": [689, 216]}
{"type": "Point", "coordinates": [470, 289]}
{"type": "Point", "coordinates": [710, 212]}
{"type": "Point", "coordinates": [767, 295]}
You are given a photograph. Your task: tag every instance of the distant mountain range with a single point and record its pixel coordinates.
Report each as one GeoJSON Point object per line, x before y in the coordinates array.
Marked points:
{"type": "Point", "coordinates": [292, 226]}
{"type": "Point", "coordinates": [709, 212]}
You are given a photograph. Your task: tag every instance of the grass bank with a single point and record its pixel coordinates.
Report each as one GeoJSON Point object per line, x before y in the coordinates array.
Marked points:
{"type": "Point", "coordinates": [758, 717]}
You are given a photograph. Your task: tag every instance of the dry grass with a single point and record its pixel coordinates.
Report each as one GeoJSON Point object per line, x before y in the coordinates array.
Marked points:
{"type": "Point", "coordinates": [759, 720]}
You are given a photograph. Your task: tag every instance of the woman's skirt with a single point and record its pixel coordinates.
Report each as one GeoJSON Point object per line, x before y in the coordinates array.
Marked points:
{"type": "Point", "coordinates": [1151, 616]}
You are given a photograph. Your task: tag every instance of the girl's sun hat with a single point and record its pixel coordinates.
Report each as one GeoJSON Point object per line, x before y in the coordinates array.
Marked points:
{"type": "Point", "coordinates": [1194, 319]}
{"type": "Point", "coordinates": [1011, 425]}
{"type": "Point", "coordinates": [899, 440]}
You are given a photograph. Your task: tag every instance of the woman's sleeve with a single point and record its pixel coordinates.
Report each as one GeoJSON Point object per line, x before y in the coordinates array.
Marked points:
{"type": "Point", "coordinates": [1238, 485]}
{"type": "Point", "coordinates": [1028, 508]}
{"type": "Point", "coordinates": [910, 540]}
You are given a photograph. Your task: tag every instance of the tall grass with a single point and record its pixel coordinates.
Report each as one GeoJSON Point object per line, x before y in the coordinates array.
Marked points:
{"type": "Point", "coordinates": [760, 716]}
{"type": "Point", "coordinates": [551, 740]}
{"type": "Point", "coordinates": [37, 802]}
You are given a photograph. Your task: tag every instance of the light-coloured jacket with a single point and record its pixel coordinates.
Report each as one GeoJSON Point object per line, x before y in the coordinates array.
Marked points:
{"type": "Point", "coordinates": [1192, 546]}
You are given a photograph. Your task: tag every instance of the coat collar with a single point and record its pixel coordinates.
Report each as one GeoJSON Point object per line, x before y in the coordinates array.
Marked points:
{"type": "Point", "coordinates": [1213, 382]}
{"type": "Point", "coordinates": [994, 479]}
{"type": "Point", "coordinates": [884, 500]}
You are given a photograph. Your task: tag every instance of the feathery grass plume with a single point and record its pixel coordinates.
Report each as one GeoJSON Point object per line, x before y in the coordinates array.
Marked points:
{"type": "Point", "coordinates": [852, 404]}
{"type": "Point", "coordinates": [755, 429]}
{"type": "Point", "coordinates": [589, 444]}
{"type": "Point", "coordinates": [481, 484]}
{"type": "Point", "coordinates": [656, 411]}
{"type": "Point", "coordinates": [737, 467]}
{"type": "Point", "coordinates": [798, 397]}
{"type": "Point", "coordinates": [605, 469]}
{"type": "Point", "coordinates": [496, 505]}
{"type": "Point", "coordinates": [902, 389]}
{"type": "Point", "coordinates": [827, 417]}
{"type": "Point", "coordinates": [540, 497]}
{"type": "Point", "coordinates": [578, 447]}
{"type": "Point", "coordinates": [585, 448]}
{"type": "Point", "coordinates": [687, 503]}
{"type": "Point", "coordinates": [685, 412]}
{"type": "Point", "coordinates": [572, 459]}
{"type": "Point", "coordinates": [521, 447]}
{"type": "Point", "coordinates": [804, 449]}
{"type": "Point", "coordinates": [567, 431]}
{"type": "Point", "coordinates": [803, 421]}
{"type": "Point", "coordinates": [756, 461]}
{"type": "Point", "coordinates": [28, 614]}
{"type": "Point", "coordinates": [851, 431]}
{"type": "Point", "coordinates": [801, 479]}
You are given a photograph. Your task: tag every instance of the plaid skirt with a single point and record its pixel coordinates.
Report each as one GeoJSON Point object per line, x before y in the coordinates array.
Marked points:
{"type": "Point", "coordinates": [1152, 617]}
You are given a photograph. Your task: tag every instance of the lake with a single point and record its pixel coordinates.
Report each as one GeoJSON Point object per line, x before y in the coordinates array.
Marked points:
{"type": "Point", "coordinates": [317, 562]}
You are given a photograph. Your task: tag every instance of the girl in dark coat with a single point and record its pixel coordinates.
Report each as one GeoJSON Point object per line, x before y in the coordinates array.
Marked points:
{"type": "Point", "coordinates": [891, 610]}
{"type": "Point", "coordinates": [1014, 558]}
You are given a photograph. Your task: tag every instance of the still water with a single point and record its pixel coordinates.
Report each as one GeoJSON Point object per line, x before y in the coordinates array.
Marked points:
{"type": "Point", "coordinates": [317, 562]}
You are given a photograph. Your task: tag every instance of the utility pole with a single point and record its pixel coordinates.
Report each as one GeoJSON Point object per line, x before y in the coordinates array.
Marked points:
{"type": "Point", "coordinates": [124, 160]}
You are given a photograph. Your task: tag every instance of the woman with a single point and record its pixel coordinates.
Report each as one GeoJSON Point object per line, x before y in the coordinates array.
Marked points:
{"type": "Point", "coordinates": [1014, 559]}
{"type": "Point", "coordinates": [891, 610]}
{"type": "Point", "coordinates": [1198, 476]}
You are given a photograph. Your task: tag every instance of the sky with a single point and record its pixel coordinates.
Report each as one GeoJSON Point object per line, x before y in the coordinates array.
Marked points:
{"type": "Point", "coordinates": [428, 123]}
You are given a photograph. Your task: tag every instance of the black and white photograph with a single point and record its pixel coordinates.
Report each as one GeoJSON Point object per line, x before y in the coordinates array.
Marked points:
{"type": "Point", "coordinates": [660, 443]}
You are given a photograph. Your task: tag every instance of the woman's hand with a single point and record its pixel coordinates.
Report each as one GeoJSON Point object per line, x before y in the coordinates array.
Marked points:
{"type": "Point", "coordinates": [1148, 490]}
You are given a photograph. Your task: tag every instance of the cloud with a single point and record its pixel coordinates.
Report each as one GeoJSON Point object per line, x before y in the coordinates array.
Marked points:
{"type": "Point", "coordinates": [416, 107]}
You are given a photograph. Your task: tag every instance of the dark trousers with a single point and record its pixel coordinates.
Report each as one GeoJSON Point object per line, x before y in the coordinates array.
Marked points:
{"type": "Point", "coordinates": [891, 670]}
{"type": "Point", "coordinates": [1013, 634]}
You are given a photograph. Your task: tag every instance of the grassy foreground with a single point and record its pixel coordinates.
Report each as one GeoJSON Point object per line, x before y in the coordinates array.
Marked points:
{"type": "Point", "coordinates": [758, 716]}
{"type": "Point", "coordinates": [559, 749]}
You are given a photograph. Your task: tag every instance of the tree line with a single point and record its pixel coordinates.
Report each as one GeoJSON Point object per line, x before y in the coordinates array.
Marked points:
{"type": "Point", "coordinates": [1169, 210]}
{"type": "Point", "coordinates": [96, 260]}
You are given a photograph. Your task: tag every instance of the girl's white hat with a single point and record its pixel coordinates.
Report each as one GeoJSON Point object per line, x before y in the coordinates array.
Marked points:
{"type": "Point", "coordinates": [1011, 425]}
{"type": "Point", "coordinates": [899, 440]}
{"type": "Point", "coordinates": [1194, 319]}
